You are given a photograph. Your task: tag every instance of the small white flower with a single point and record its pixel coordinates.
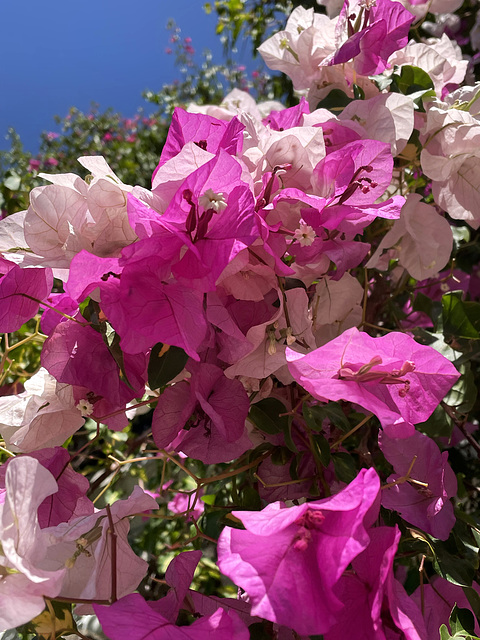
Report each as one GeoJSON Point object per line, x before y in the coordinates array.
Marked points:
{"type": "Point", "coordinates": [212, 200]}
{"type": "Point", "coordinates": [304, 234]}
{"type": "Point", "coordinates": [85, 407]}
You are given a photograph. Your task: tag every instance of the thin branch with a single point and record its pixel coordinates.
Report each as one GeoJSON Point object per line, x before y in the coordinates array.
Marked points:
{"type": "Point", "coordinates": [113, 538]}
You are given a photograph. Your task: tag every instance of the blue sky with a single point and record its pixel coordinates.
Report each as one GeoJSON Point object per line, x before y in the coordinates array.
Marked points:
{"type": "Point", "coordinates": [61, 53]}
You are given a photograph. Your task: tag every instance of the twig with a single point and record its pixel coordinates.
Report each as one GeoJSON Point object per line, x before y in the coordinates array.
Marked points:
{"type": "Point", "coordinates": [460, 423]}
{"type": "Point", "coordinates": [113, 538]}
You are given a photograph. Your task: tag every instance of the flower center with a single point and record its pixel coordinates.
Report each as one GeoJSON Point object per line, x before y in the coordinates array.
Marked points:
{"type": "Point", "coordinates": [310, 521]}
{"type": "Point", "coordinates": [366, 373]}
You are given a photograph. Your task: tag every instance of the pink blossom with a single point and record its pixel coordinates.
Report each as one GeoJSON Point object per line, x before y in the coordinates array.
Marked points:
{"type": "Point", "coordinates": [132, 618]}
{"type": "Point", "coordinates": [43, 415]}
{"type": "Point", "coordinates": [439, 598]}
{"type": "Point", "coordinates": [182, 503]}
{"type": "Point", "coordinates": [424, 500]}
{"type": "Point", "coordinates": [208, 133]}
{"type": "Point", "coordinates": [78, 355]}
{"type": "Point", "coordinates": [26, 576]}
{"type": "Point", "coordinates": [34, 164]}
{"type": "Point", "coordinates": [17, 288]}
{"type": "Point", "coordinates": [289, 559]}
{"type": "Point", "coordinates": [383, 28]}
{"type": "Point", "coordinates": [394, 377]}
{"type": "Point", "coordinates": [203, 417]}
{"type": "Point", "coordinates": [70, 499]}
{"type": "Point", "coordinates": [373, 598]}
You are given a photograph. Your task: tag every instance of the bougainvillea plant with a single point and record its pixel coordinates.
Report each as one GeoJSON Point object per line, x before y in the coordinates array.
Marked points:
{"type": "Point", "coordinates": [242, 403]}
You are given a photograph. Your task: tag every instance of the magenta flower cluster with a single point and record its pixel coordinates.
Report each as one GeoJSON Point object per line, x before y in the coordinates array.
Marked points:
{"type": "Point", "coordinates": [249, 258]}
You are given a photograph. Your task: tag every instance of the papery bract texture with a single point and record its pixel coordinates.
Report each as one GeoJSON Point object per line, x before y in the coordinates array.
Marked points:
{"type": "Point", "coordinates": [132, 618]}
{"type": "Point", "coordinates": [422, 238]}
{"type": "Point", "coordinates": [44, 415]}
{"type": "Point", "coordinates": [26, 577]}
{"type": "Point", "coordinates": [216, 430]}
{"type": "Point", "coordinates": [384, 30]}
{"type": "Point", "coordinates": [438, 598]}
{"type": "Point", "coordinates": [17, 288]}
{"type": "Point", "coordinates": [289, 559]}
{"type": "Point", "coordinates": [394, 377]}
{"type": "Point", "coordinates": [70, 499]}
{"type": "Point", "coordinates": [89, 576]}
{"type": "Point", "coordinates": [425, 501]}
{"type": "Point", "coordinates": [373, 598]}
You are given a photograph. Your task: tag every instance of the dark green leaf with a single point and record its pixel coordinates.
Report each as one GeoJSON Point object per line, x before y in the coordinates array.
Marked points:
{"type": "Point", "coordinates": [457, 570]}
{"type": "Point", "coordinates": [438, 425]}
{"type": "Point", "coordinates": [335, 101]}
{"type": "Point", "coordinates": [461, 620]}
{"type": "Point", "coordinates": [293, 283]}
{"type": "Point", "coordinates": [213, 522]}
{"type": "Point", "coordinates": [358, 92]}
{"type": "Point", "coordinates": [315, 415]}
{"type": "Point", "coordinates": [460, 319]}
{"type": "Point", "coordinates": [464, 392]}
{"type": "Point", "coordinates": [322, 449]}
{"type": "Point", "coordinates": [265, 415]}
{"type": "Point", "coordinates": [280, 456]}
{"type": "Point", "coordinates": [474, 600]}
{"type": "Point", "coordinates": [250, 500]}
{"type": "Point", "coordinates": [423, 303]}
{"type": "Point", "coordinates": [260, 630]}
{"type": "Point", "coordinates": [287, 434]}
{"type": "Point", "coordinates": [165, 363]}
{"type": "Point", "coordinates": [345, 468]}
{"type": "Point", "coordinates": [411, 79]}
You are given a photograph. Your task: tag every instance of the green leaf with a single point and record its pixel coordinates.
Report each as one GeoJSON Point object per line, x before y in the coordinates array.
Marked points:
{"type": "Point", "coordinates": [280, 456]}
{"type": "Point", "coordinates": [460, 319]}
{"type": "Point", "coordinates": [260, 630]}
{"type": "Point", "coordinates": [164, 364]}
{"type": "Point", "coordinates": [345, 468]}
{"type": "Point", "coordinates": [112, 340]}
{"type": "Point", "coordinates": [55, 622]}
{"type": "Point", "coordinates": [438, 425]}
{"type": "Point", "coordinates": [336, 100]}
{"type": "Point", "coordinates": [265, 415]}
{"type": "Point", "coordinates": [461, 620]}
{"type": "Point", "coordinates": [213, 522]}
{"type": "Point", "coordinates": [322, 449]}
{"type": "Point", "coordinates": [474, 600]}
{"type": "Point", "coordinates": [459, 571]}
{"type": "Point", "coordinates": [287, 434]}
{"type": "Point", "coordinates": [444, 633]}
{"type": "Point", "coordinates": [250, 499]}
{"type": "Point", "coordinates": [358, 92]}
{"type": "Point", "coordinates": [411, 79]}
{"type": "Point", "coordinates": [315, 415]}
{"type": "Point", "coordinates": [464, 392]}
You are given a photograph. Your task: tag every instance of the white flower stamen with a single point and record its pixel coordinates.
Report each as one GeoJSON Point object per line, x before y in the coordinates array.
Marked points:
{"type": "Point", "coordinates": [85, 407]}
{"type": "Point", "coordinates": [304, 234]}
{"type": "Point", "coordinates": [212, 200]}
